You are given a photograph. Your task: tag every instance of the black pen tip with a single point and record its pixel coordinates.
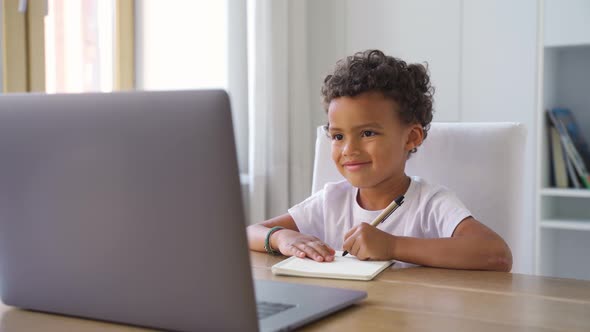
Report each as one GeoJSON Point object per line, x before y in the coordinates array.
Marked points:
{"type": "Point", "coordinates": [344, 253]}
{"type": "Point", "coordinates": [399, 200]}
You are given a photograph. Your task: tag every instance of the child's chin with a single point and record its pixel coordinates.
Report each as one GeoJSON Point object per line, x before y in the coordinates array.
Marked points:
{"type": "Point", "coordinates": [359, 182]}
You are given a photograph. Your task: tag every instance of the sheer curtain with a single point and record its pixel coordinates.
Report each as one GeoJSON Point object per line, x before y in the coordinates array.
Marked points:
{"type": "Point", "coordinates": [279, 113]}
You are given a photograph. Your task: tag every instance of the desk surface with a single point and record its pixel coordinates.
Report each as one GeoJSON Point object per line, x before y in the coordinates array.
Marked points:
{"type": "Point", "coordinates": [415, 299]}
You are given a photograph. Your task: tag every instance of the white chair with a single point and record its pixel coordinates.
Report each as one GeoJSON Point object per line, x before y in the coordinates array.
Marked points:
{"type": "Point", "coordinates": [481, 162]}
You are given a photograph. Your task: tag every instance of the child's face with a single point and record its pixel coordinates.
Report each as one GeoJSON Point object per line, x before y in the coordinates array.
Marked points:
{"type": "Point", "coordinates": [370, 143]}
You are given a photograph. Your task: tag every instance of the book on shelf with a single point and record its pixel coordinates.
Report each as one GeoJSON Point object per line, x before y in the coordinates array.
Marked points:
{"type": "Point", "coordinates": [567, 119]}
{"type": "Point", "coordinates": [572, 174]}
{"type": "Point", "coordinates": [559, 171]}
{"type": "Point", "coordinates": [574, 148]}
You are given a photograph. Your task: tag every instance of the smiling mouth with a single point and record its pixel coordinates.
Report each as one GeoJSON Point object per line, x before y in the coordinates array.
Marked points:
{"type": "Point", "coordinates": [355, 166]}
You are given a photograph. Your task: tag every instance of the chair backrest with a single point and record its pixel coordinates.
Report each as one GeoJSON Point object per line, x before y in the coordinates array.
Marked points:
{"type": "Point", "coordinates": [481, 162]}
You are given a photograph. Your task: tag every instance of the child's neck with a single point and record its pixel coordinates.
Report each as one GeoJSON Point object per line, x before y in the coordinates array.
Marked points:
{"type": "Point", "coordinates": [379, 197]}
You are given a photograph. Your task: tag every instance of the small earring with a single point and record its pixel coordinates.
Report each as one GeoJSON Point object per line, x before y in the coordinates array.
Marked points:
{"type": "Point", "coordinates": [414, 150]}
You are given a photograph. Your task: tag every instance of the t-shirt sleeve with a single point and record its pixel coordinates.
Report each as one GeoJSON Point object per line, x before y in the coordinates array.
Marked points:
{"type": "Point", "coordinates": [309, 215]}
{"type": "Point", "coordinates": [446, 211]}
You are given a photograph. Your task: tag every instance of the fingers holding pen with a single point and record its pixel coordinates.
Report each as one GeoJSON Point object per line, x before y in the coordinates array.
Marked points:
{"type": "Point", "coordinates": [350, 240]}
{"type": "Point", "coordinates": [368, 242]}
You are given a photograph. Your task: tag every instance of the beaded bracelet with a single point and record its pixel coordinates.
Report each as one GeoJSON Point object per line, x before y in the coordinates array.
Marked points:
{"type": "Point", "coordinates": [267, 246]}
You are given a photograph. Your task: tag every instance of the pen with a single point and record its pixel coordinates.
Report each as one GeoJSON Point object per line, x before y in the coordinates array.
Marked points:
{"type": "Point", "coordinates": [384, 214]}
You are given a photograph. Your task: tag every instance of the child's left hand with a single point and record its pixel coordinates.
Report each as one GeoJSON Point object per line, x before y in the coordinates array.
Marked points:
{"type": "Point", "coordinates": [367, 242]}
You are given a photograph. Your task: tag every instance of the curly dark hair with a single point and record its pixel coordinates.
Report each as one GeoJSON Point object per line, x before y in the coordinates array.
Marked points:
{"type": "Point", "coordinates": [371, 70]}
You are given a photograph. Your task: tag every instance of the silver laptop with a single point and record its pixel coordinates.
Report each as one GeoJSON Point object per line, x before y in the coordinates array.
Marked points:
{"type": "Point", "coordinates": [127, 207]}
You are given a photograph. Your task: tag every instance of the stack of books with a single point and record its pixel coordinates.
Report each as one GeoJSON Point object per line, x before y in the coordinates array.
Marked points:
{"type": "Point", "coordinates": [569, 153]}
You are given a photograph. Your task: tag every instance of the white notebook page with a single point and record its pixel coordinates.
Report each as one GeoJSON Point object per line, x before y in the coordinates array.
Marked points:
{"type": "Point", "coordinates": [348, 265]}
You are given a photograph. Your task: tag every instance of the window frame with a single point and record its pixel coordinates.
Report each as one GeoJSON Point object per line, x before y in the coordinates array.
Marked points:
{"type": "Point", "coordinates": [20, 39]}
{"type": "Point", "coordinates": [124, 57]}
{"type": "Point", "coordinates": [23, 51]}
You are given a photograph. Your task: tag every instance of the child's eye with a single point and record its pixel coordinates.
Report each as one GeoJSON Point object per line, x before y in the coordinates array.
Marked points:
{"type": "Point", "coordinates": [368, 133]}
{"type": "Point", "coordinates": [337, 137]}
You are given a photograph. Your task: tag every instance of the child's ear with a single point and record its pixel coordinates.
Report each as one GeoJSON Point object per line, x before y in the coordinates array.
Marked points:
{"type": "Point", "coordinates": [415, 137]}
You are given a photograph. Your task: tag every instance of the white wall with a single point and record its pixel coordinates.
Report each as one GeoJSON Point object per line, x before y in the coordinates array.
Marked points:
{"type": "Point", "coordinates": [482, 57]}
{"type": "Point", "coordinates": [416, 31]}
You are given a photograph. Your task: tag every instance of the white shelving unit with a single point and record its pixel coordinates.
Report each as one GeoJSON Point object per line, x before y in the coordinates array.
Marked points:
{"type": "Point", "coordinates": [563, 215]}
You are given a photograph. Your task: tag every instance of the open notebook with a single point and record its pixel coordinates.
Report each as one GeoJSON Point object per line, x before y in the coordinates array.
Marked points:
{"type": "Point", "coordinates": [348, 267]}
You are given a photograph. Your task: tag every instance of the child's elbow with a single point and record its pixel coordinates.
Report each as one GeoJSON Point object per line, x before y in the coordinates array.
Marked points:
{"type": "Point", "coordinates": [501, 260]}
{"type": "Point", "coordinates": [503, 264]}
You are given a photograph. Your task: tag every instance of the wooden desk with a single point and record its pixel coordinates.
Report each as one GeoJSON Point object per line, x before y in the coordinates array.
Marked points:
{"type": "Point", "coordinates": [417, 299]}
{"type": "Point", "coordinates": [427, 299]}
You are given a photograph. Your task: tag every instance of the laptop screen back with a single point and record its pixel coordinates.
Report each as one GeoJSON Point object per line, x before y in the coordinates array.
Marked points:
{"type": "Point", "coordinates": [124, 207]}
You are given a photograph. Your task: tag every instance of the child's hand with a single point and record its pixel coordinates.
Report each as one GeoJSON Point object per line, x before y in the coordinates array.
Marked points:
{"type": "Point", "coordinates": [368, 242]}
{"type": "Point", "coordinates": [291, 243]}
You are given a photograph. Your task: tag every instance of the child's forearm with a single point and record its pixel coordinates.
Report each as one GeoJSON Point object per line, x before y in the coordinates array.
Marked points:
{"type": "Point", "coordinates": [477, 253]}
{"type": "Point", "coordinates": [257, 232]}
{"type": "Point", "coordinates": [288, 241]}
{"type": "Point", "coordinates": [256, 236]}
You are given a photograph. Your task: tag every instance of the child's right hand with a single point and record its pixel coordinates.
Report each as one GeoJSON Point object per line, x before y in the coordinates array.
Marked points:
{"type": "Point", "coordinates": [292, 243]}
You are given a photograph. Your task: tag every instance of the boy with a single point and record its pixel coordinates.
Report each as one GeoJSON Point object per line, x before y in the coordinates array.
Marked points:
{"type": "Point", "coordinates": [379, 112]}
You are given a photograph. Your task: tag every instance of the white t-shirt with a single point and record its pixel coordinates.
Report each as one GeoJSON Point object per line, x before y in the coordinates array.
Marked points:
{"type": "Point", "coordinates": [428, 211]}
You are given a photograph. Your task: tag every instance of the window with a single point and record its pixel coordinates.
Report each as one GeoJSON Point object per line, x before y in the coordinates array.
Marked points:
{"type": "Point", "coordinates": [196, 44]}
{"type": "Point", "coordinates": [182, 44]}
{"type": "Point", "coordinates": [79, 46]}
{"type": "Point", "coordinates": [68, 46]}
